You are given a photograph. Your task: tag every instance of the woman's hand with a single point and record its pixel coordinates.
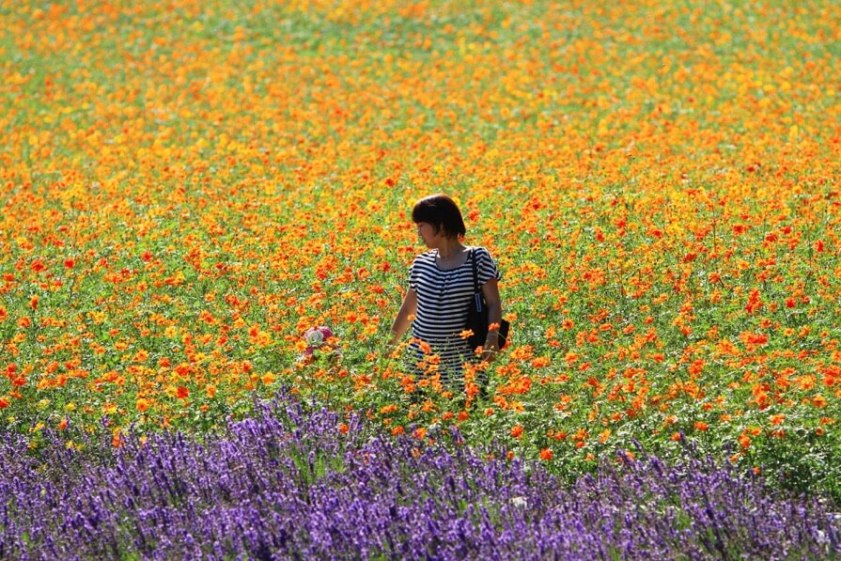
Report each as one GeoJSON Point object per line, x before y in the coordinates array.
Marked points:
{"type": "Point", "coordinates": [491, 346]}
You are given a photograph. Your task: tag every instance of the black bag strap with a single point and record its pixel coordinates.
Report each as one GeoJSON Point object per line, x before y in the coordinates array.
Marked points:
{"type": "Point", "coordinates": [477, 292]}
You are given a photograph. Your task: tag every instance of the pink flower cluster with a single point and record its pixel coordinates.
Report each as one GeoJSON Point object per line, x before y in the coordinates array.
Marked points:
{"type": "Point", "coordinates": [316, 337]}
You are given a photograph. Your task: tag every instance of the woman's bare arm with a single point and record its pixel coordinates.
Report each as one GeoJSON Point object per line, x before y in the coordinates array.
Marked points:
{"type": "Point", "coordinates": [490, 290]}
{"type": "Point", "coordinates": [404, 317]}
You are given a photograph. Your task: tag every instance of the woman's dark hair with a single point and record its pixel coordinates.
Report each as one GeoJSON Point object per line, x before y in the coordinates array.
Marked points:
{"type": "Point", "coordinates": [442, 212]}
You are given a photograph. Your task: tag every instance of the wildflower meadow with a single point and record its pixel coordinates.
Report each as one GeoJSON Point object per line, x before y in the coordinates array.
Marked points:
{"type": "Point", "coordinates": [205, 236]}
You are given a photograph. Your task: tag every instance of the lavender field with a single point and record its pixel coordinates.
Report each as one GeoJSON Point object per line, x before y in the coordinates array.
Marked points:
{"type": "Point", "coordinates": [288, 484]}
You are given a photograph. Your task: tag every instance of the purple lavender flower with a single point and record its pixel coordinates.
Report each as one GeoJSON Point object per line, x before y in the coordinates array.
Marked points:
{"type": "Point", "coordinates": [286, 484]}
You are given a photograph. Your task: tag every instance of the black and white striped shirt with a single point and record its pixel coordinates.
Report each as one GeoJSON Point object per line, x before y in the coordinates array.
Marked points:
{"type": "Point", "coordinates": [443, 297]}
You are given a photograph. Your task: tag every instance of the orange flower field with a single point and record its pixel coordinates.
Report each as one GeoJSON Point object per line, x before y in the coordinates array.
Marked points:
{"type": "Point", "coordinates": [188, 187]}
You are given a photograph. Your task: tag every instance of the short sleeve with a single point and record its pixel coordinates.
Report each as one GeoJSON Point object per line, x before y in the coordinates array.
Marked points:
{"type": "Point", "coordinates": [413, 275]}
{"type": "Point", "coordinates": [486, 266]}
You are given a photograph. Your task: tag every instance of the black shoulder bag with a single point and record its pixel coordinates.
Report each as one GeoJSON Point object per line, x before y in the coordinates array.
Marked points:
{"type": "Point", "coordinates": [477, 313]}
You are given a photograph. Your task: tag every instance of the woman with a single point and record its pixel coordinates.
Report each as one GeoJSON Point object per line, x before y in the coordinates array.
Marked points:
{"type": "Point", "coordinates": [440, 290]}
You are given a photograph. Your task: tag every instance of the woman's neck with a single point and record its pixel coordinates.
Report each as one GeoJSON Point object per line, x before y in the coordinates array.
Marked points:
{"type": "Point", "coordinates": [449, 248]}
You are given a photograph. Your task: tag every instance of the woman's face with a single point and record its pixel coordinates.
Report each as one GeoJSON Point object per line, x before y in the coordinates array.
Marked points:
{"type": "Point", "coordinates": [427, 234]}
